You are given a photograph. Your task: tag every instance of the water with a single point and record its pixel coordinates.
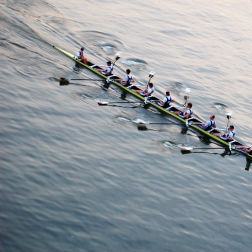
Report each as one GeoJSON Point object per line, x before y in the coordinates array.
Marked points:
{"type": "Point", "coordinates": [79, 177]}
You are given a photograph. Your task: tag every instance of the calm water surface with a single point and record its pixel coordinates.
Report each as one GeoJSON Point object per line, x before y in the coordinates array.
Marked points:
{"type": "Point", "coordinates": [79, 177]}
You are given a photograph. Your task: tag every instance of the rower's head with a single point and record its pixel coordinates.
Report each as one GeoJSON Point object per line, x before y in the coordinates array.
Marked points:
{"type": "Point", "coordinates": [189, 105]}
{"type": "Point", "coordinates": [231, 127]}
{"type": "Point", "coordinates": [212, 117]}
{"type": "Point", "coordinates": [82, 48]}
{"type": "Point", "coordinates": [151, 85]}
{"type": "Point", "coordinates": [128, 71]}
{"type": "Point", "coordinates": [109, 63]}
{"type": "Point", "coordinates": [167, 93]}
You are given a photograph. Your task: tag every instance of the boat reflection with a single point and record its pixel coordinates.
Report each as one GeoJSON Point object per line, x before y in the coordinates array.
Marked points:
{"type": "Point", "coordinates": [248, 163]}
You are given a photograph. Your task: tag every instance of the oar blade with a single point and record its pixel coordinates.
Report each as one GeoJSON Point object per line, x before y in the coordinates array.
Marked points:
{"type": "Point", "coordinates": [139, 121]}
{"type": "Point", "coordinates": [63, 81]}
{"type": "Point", "coordinates": [229, 114]}
{"type": "Point", "coordinates": [151, 74]}
{"type": "Point", "coordinates": [186, 148]}
{"type": "Point", "coordinates": [117, 57]}
{"type": "Point", "coordinates": [142, 127]}
{"type": "Point", "coordinates": [102, 103]}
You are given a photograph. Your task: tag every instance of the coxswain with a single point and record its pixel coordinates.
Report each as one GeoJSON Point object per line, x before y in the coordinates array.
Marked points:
{"type": "Point", "coordinates": [80, 56]}
{"type": "Point", "coordinates": [165, 103]}
{"type": "Point", "coordinates": [128, 79]}
{"type": "Point", "coordinates": [209, 124]}
{"type": "Point", "coordinates": [229, 136]}
{"type": "Point", "coordinates": [108, 70]}
{"type": "Point", "coordinates": [148, 91]}
{"type": "Point", "coordinates": [186, 114]}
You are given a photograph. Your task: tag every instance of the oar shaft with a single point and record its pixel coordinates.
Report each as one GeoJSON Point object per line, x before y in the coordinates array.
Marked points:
{"type": "Point", "coordinates": [88, 79]}
{"type": "Point", "coordinates": [163, 123]}
{"type": "Point", "coordinates": [107, 102]}
{"type": "Point", "coordinates": [123, 102]}
{"type": "Point", "coordinates": [209, 148]}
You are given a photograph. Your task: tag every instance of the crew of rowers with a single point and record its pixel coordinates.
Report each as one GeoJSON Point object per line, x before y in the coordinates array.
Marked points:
{"type": "Point", "coordinates": [166, 102]}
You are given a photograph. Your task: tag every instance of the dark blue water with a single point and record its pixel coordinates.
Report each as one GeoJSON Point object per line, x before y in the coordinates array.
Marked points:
{"type": "Point", "coordinates": [75, 176]}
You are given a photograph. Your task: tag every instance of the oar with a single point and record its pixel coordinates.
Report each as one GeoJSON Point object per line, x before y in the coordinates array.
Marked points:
{"type": "Point", "coordinates": [141, 124]}
{"type": "Point", "coordinates": [64, 81]}
{"type": "Point", "coordinates": [116, 58]}
{"type": "Point", "coordinates": [151, 75]}
{"type": "Point", "coordinates": [140, 121]}
{"type": "Point", "coordinates": [89, 79]}
{"type": "Point", "coordinates": [228, 114]}
{"type": "Point", "coordinates": [116, 105]}
{"type": "Point", "coordinates": [106, 103]}
{"type": "Point", "coordinates": [190, 148]}
{"type": "Point", "coordinates": [186, 97]}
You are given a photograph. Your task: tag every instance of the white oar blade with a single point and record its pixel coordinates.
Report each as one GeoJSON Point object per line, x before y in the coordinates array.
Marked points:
{"type": "Point", "coordinates": [151, 74]}
{"type": "Point", "coordinates": [117, 56]}
{"type": "Point", "coordinates": [229, 113]}
{"type": "Point", "coordinates": [139, 121]}
{"type": "Point", "coordinates": [185, 148]}
{"type": "Point", "coordinates": [102, 103]}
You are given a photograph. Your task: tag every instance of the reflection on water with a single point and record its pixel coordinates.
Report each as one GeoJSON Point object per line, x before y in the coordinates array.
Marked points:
{"type": "Point", "coordinates": [108, 48]}
{"type": "Point", "coordinates": [248, 163]}
{"type": "Point", "coordinates": [136, 64]}
{"type": "Point", "coordinates": [219, 106]}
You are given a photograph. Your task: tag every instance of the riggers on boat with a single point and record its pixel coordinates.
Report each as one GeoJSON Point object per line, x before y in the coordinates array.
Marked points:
{"type": "Point", "coordinates": [152, 101]}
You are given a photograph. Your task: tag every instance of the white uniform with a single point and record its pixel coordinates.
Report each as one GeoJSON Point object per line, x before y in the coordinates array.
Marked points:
{"type": "Point", "coordinates": [188, 111]}
{"type": "Point", "coordinates": [149, 92]}
{"type": "Point", "coordinates": [109, 70]}
{"type": "Point", "coordinates": [167, 99]}
{"type": "Point", "coordinates": [80, 55]}
{"type": "Point", "coordinates": [230, 134]}
{"type": "Point", "coordinates": [128, 78]}
{"type": "Point", "coordinates": [210, 123]}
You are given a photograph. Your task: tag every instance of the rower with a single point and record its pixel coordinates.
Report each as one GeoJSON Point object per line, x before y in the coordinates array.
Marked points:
{"type": "Point", "coordinates": [229, 136]}
{"type": "Point", "coordinates": [80, 56]}
{"type": "Point", "coordinates": [165, 103]}
{"type": "Point", "coordinates": [148, 91]}
{"type": "Point", "coordinates": [186, 114]}
{"type": "Point", "coordinates": [128, 79]}
{"type": "Point", "coordinates": [209, 124]}
{"type": "Point", "coordinates": [108, 70]}
{"type": "Point", "coordinates": [247, 149]}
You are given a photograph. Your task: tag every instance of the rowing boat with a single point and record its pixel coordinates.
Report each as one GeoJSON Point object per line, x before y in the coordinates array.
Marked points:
{"type": "Point", "coordinates": [193, 123]}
